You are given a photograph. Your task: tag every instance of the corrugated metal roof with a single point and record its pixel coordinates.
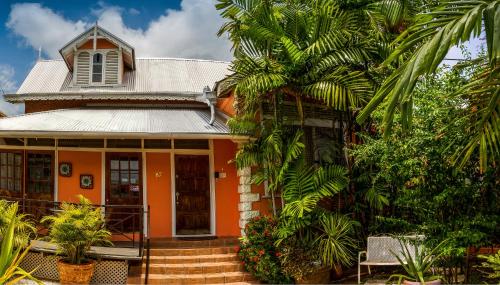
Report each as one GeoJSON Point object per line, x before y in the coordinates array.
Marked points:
{"type": "Point", "coordinates": [175, 77]}
{"type": "Point", "coordinates": [105, 121]}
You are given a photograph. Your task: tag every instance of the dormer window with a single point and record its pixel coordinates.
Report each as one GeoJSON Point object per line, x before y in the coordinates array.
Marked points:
{"type": "Point", "coordinates": [97, 68]}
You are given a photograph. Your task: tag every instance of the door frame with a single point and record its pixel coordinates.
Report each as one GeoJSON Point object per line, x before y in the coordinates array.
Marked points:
{"type": "Point", "coordinates": [210, 153]}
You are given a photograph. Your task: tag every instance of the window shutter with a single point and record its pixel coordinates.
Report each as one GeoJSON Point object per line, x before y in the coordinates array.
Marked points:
{"type": "Point", "coordinates": [111, 68]}
{"type": "Point", "coordinates": [83, 69]}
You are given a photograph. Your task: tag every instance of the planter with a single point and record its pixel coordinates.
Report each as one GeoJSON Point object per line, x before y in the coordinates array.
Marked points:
{"type": "Point", "coordinates": [338, 272]}
{"type": "Point", "coordinates": [433, 282]}
{"type": "Point", "coordinates": [321, 276]}
{"type": "Point", "coordinates": [75, 273]}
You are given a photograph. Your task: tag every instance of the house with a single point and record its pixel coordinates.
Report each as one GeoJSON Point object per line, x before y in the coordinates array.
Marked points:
{"type": "Point", "coordinates": [127, 131]}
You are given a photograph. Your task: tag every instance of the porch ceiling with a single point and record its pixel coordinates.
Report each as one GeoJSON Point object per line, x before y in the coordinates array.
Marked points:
{"type": "Point", "coordinates": [112, 122]}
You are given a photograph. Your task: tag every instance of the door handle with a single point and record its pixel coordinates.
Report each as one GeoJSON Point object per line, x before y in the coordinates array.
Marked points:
{"type": "Point", "coordinates": [177, 194]}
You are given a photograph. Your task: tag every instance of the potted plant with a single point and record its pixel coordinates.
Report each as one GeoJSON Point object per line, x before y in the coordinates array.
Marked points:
{"type": "Point", "coordinates": [74, 230]}
{"type": "Point", "coordinates": [417, 266]}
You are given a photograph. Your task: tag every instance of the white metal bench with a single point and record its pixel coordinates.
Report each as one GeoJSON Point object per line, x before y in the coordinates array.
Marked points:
{"type": "Point", "coordinates": [381, 251]}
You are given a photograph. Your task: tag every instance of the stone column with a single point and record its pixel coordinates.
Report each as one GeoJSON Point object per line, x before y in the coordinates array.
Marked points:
{"type": "Point", "coordinates": [246, 198]}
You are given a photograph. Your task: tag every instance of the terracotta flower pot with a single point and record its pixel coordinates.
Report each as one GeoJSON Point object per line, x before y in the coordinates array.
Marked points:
{"type": "Point", "coordinates": [433, 282]}
{"type": "Point", "coordinates": [75, 273]}
{"type": "Point", "coordinates": [321, 276]}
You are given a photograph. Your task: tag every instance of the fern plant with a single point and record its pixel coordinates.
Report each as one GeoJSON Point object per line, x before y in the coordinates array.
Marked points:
{"type": "Point", "coordinates": [76, 228]}
{"type": "Point", "coordinates": [10, 254]}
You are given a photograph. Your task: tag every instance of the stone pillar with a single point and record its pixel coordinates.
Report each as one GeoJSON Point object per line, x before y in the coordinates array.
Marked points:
{"type": "Point", "coordinates": [246, 198]}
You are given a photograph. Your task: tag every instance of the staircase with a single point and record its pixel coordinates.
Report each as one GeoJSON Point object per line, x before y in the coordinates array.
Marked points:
{"type": "Point", "coordinates": [195, 262]}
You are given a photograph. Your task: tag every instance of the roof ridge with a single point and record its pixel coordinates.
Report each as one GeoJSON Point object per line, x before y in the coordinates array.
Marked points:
{"type": "Point", "coordinates": [181, 59]}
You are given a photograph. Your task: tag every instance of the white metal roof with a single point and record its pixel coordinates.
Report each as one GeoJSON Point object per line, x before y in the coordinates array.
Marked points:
{"type": "Point", "coordinates": [153, 79]}
{"type": "Point", "coordinates": [95, 121]}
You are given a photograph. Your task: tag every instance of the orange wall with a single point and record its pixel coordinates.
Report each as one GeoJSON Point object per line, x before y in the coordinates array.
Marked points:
{"type": "Point", "coordinates": [226, 189]}
{"type": "Point", "coordinates": [226, 105]}
{"type": "Point", "coordinates": [159, 195]}
{"type": "Point", "coordinates": [83, 162]}
{"type": "Point", "coordinates": [100, 44]}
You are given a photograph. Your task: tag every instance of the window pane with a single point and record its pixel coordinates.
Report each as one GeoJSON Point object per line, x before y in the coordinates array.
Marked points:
{"type": "Point", "coordinates": [124, 179]}
{"type": "Point", "coordinates": [115, 164]}
{"type": "Point", "coordinates": [97, 58]}
{"type": "Point", "coordinates": [3, 156]}
{"type": "Point", "coordinates": [41, 142]}
{"type": "Point", "coordinates": [96, 77]}
{"type": "Point", "coordinates": [115, 177]}
{"type": "Point", "coordinates": [134, 177]}
{"type": "Point", "coordinates": [191, 144]}
{"type": "Point", "coordinates": [116, 143]}
{"type": "Point", "coordinates": [157, 144]}
{"type": "Point", "coordinates": [124, 164]}
{"type": "Point", "coordinates": [134, 164]}
{"type": "Point", "coordinates": [81, 143]}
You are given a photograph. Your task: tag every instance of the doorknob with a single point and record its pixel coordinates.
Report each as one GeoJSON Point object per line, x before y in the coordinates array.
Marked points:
{"type": "Point", "coordinates": [177, 194]}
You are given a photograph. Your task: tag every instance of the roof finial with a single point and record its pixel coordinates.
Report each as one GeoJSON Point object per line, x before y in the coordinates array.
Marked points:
{"type": "Point", "coordinates": [39, 53]}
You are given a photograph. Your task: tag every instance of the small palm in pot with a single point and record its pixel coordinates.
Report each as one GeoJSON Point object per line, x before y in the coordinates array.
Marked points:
{"type": "Point", "coordinates": [74, 230]}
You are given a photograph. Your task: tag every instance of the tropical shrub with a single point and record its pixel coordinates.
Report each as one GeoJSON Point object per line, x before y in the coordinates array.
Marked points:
{"type": "Point", "coordinates": [76, 228]}
{"type": "Point", "coordinates": [491, 265]}
{"type": "Point", "coordinates": [24, 229]}
{"type": "Point", "coordinates": [408, 182]}
{"type": "Point", "coordinates": [10, 254]}
{"type": "Point", "coordinates": [258, 252]}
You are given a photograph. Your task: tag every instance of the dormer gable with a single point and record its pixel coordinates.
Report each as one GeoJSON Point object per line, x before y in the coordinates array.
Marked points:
{"type": "Point", "coordinates": [97, 57]}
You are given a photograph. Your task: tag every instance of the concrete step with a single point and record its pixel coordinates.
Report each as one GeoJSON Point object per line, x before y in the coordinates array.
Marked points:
{"type": "Point", "coordinates": [192, 258]}
{"type": "Point", "coordinates": [194, 268]}
{"type": "Point", "coordinates": [209, 278]}
{"type": "Point", "coordinates": [193, 251]}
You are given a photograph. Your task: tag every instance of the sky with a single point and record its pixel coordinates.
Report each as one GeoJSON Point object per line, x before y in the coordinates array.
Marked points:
{"type": "Point", "coordinates": [156, 28]}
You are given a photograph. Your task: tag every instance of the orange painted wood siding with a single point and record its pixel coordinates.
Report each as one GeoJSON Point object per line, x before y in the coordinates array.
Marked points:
{"type": "Point", "coordinates": [83, 162]}
{"type": "Point", "coordinates": [226, 189]}
{"type": "Point", "coordinates": [159, 185]}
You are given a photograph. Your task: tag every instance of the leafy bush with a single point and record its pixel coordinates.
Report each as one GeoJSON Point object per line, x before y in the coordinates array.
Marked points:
{"type": "Point", "coordinates": [491, 265]}
{"type": "Point", "coordinates": [10, 254]}
{"type": "Point", "coordinates": [76, 228]}
{"type": "Point", "coordinates": [24, 229]}
{"type": "Point", "coordinates": [258, 252]}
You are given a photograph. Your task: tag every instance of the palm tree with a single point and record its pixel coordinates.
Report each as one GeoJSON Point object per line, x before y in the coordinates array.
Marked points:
{"type": "Point", "coordinates": [420, 50]}
{"type": "Point", "coordinates": [311, 50]}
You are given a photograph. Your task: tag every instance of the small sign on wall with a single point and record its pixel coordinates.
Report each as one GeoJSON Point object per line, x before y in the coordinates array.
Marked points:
{"type": "Point", "coordinates": [86, 181]}
{"type": "Point", "coordinates": [65, 169]}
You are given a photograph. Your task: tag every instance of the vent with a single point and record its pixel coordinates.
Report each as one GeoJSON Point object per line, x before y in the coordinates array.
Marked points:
{"type": "Point", "coordinates": [83, 69]}
{"type": "Point", "coordinates": [111, 68]}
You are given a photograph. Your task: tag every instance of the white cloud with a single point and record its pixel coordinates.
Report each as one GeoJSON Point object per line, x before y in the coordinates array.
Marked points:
{"type": "Point", "coordinates": [8, 85]}
{"type": "Point", "coordinates": [189, 32]}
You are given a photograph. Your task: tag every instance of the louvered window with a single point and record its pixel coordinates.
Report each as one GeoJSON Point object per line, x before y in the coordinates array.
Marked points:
{"type": "Point", "coordinates": [111, 68]}
{"type": "Point", "coordinates": [83, 66]}
{"type": "Point", "coordinates": [97, 68]}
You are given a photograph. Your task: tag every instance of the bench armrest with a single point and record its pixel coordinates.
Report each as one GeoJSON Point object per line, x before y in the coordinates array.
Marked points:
{"type": "Point", "coordinates": [360, 254]}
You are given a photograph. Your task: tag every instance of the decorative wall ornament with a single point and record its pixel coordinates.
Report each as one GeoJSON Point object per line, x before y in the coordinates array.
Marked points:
{"type": "Point", "coordinates": [65, 169]}
{"type": "Point", "coordinates": [86, 181]}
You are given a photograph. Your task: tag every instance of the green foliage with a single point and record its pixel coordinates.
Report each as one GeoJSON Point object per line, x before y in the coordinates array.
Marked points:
{"type": "Point", "coordinates": [10, 254]}
{"type": "Point", "coordinates": [258, 253]}
{"type": "Point", "coordinates": [491, 264]}
{"type": "Point", "coordinates": [426, 43]}
{"type": "Point", "coordinates": [23, 229]}
{"type": "Point", "coordinates": [76, 228]}
{"type": "Point", "coordinates": [418, 265]}
{"type": "Point", "coordinates": [304, 224]}
{"type": "Point", "coordinates": [414, 173]}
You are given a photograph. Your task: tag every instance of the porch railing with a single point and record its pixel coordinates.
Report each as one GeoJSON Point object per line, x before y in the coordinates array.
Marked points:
{"type": "Point", "coordinates": [125, 222]}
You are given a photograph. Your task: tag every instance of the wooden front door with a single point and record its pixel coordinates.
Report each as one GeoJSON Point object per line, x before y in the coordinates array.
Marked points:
{"type": "Point", "coordinates": [192, 194]}
{"type": "Point", "coordinates": [124, 188]}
